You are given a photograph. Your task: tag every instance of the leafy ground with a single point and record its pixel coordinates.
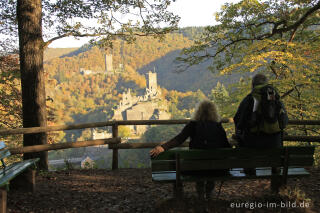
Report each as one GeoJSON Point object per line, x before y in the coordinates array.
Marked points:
{"type": "Point", "coordinates": [131, 190]}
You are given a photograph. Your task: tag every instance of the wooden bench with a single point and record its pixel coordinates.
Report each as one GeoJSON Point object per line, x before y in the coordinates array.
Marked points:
{"type": "Point", "coordinates": [170, 166]}
{"type": "Point", "coordinates": [16, 173]}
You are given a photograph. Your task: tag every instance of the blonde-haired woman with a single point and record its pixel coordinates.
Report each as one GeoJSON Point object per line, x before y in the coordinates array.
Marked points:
{"type": "Point", "coordinates": [205, 132]}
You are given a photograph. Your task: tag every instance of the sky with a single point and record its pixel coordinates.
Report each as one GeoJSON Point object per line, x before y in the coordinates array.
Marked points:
{"type": "Point", "coordinates": [192, 13]}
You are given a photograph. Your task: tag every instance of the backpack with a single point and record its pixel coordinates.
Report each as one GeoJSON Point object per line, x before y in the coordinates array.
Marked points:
{"type": "Point", "coordinates": [268, 118]}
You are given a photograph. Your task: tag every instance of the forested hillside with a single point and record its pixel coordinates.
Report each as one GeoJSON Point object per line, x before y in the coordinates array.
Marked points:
{"type": "Point", "coordinates": [51, 53]}
{"type": "Point", "coordinates": [143, 51]}
{"type": "Point", "coordinates": [78, 98]}
{"type": "Point", "coordinates": [74, 97]}
{"type": "Point", "coordinates": [145, 55]}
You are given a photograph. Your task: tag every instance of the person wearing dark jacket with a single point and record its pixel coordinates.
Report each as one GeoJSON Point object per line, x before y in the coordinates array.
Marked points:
{"type": "Point", "coordinates": [242, 122]}
{"type": "Point", "coordinates": [244, 126]}
{"type": "Point", "coordinates": [207, 120]}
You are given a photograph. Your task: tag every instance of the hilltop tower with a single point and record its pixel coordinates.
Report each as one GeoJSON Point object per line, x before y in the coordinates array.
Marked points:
{"type": "Point", "coordinates": [152, 81]}
{"type": "Point", "coordinates": [108, 64]}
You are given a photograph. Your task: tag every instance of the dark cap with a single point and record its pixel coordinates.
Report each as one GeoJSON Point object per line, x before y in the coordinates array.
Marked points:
{"type": "Point", "coordinates": [259, 79]}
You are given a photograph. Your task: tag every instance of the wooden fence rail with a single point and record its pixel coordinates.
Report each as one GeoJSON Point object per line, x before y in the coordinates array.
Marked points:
{"type": "Point", "coordinates": [186, 144]}
{"type": "Point", "coordinates": [90, 125]}
{"type": "Point", "coordinates": [140, 145]}
{"type": "Point", "coordinates": [47, 147]}
{"type": "Point", "coordinates": [115, 142]}
{"type": "Point", "coordinates": [131, 122]}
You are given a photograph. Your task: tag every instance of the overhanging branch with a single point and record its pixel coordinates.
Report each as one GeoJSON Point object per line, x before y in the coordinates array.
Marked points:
{"type": "Point", "coordinates": [47, 43]}
{"type": "Point", "coordinates": [275, 30]}
{"type": "Point", "coordinates": [300, 21]}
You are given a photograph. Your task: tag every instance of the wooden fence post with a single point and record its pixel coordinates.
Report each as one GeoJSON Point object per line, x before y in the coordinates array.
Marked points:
{"type": "Point", "coordinates": [115, 151]}
{"type": "Point", "coordinates": [3, 200]}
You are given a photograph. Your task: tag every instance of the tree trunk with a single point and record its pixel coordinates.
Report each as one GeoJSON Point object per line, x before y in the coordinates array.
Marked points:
{"type": "Point", "coordinates": [29, 13]}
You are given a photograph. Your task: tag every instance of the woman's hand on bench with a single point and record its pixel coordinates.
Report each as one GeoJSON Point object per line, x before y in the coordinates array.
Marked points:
{"type": "Point", "coordinates": [156, 151]}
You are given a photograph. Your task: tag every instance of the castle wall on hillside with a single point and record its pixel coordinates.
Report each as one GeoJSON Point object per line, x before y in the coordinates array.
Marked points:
{"type": "Point", "coordinates": [108, 64]}
{"type": "Point", "coordinates": [145, 107]}
{"type": "Point", "coordinates": [109, 69]}
{"type": "Point", "coordinates": [100, 134]}
{"type": "Point", "coordinates": [152, 82]}
{"type": "Point", "coordinates": [148, 106]}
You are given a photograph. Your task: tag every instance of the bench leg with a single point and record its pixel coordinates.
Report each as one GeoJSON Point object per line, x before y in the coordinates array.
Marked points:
{"type": "Point", "coordinates": [3, 204]}
{"type": "Point", "coordinates": [25, 181]}
{"type": "Point", "coordinates": [276, 183]}
{"type": "Point", "coordinates": [178, 191]}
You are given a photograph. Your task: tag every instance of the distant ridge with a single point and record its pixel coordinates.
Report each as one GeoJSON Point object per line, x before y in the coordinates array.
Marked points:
{"type": "Point", "coordinates": [51, 53]}
{"type": "Point", "coordinates": [192, 79]}
{"type": "Point", "coordinates": [146, 55]}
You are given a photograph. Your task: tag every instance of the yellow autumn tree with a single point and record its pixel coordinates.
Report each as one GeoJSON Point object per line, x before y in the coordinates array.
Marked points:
{"type": "Point", "coordinates": [278, 38]}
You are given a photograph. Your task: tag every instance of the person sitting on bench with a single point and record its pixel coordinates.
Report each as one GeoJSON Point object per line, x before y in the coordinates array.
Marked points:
{"type": "Point", "coordinates": [260, 118]}
{"type": "Point", "coordinates": [205, 132]}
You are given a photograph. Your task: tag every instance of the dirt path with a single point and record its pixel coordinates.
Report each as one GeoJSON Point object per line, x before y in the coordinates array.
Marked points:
{"type": "Point", "coordinates": [131, 190]}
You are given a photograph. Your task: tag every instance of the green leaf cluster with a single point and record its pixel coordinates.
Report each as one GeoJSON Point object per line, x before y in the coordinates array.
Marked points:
{"type": "Point", "coordinates": [277, 38]}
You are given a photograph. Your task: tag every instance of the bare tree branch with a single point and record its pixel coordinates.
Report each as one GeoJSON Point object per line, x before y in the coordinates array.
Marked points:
{"type": "Point", "coordinates": [291, 90]}
{"type": "Point", "coordinates": [47, 43]}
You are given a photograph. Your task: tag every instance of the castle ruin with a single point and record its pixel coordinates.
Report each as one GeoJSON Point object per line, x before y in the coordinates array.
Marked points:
{"type": "Point", "coordinates": [146, 107]}
{"type": "Point", "coordinates": [108, 64]}
{"type": "Point", "coordinates": [109, 69]}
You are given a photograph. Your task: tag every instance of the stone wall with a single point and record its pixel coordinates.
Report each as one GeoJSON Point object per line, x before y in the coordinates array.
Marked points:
{"type": "Point", "coordinates": [100, 134]}
{"type": "Point", "coordinates": [108, 64]}
{"type": "Point", "coordinates": [145, 107]}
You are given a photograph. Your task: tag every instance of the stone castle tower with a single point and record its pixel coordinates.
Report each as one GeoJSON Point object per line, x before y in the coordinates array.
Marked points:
{"type": "Point", "coordinates": [152, 82]}
{"type": "Point", "coordinates": [108, 63]}
{"type": "Point", "coordinates": [144, 107]}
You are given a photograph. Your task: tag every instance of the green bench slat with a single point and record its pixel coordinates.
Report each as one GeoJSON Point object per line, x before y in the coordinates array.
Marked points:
{"type": "Point", "coordinates": [194, 165]}
{"type": "Point", "coordinates": [164, 165]}
{"type": "Point", "coordinates": [299, 150]}
{"type": "Point", "coordinates": [238, 152]}
{"type": "Point", "coordinates": [300, 161]}
{"type": "Point", "coordinates": [15, 169]}
{"type": "Point", "coordinates": [218, 154]}
{"type": "Point", "coordinates": [170, 177]}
